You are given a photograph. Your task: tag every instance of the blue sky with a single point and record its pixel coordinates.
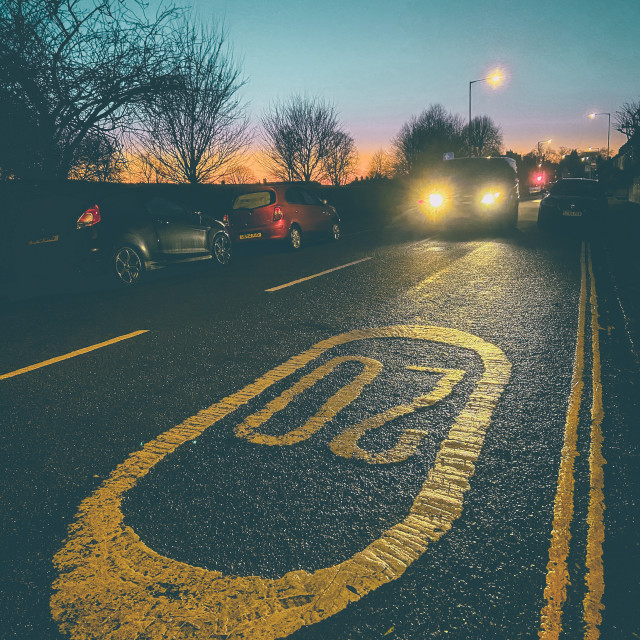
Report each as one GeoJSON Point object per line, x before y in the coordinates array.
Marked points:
{"type": "Point", "coordinates": [380, 61]}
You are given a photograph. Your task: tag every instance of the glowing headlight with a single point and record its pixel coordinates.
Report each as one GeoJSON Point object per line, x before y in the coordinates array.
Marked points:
{"type": "Point", "coordinates": [490, 198]}
{"type": "Point", "coordinates": [435, 199]}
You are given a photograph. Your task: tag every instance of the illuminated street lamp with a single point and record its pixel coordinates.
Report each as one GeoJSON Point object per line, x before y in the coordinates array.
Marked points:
{"type": "Point", "coordinates": [593, 115]}
{"type": "Point", "coordinates": [539, 143]}
{"type": "Point", "coordinates": [494, 79]}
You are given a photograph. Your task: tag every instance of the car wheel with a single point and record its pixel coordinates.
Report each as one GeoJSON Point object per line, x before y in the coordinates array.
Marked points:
{"type": "Point", "coordinates": [221, 248]}
{"type": "Point", "coordinates": [543, 221]}
{"type": "Point", "coordinates": [295, 237]}
{"type": "Point", "coordinates": [128, 265]}
{"type": "Point", "coordinates": [335, 231]}
{"type": "Point", "coordinates": [511, 221]}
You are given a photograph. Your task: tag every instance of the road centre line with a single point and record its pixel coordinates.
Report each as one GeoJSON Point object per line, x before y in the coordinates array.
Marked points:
{"type": "Point", "coordinates": [73, 354]}
{"type": "Point", "coordinates": [557, 579]}
{"type": "Point", "coordinates": [316, 275]}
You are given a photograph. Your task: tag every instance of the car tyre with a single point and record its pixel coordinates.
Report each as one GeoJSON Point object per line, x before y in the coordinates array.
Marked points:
{"type": "Point", "coordinates": [295, 237]}
{"type": "Point", "coordinates": [221, 248]}
{"type": "Point", "coordinates": [335, 231]}
{"type": "Point", "coordinates": [511, 221]}
{"type": "Point", "coordinates": [543, 221]}
{"type": "Point", "coordinates": [128, 265]}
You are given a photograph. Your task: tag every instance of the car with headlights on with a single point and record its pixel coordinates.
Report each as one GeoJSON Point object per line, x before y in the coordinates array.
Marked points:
{"type": "Point", "coordinates": [476, 191]}
{"type": "Point", "coordinates": [285, 211]}
{"type": "Point", "coordinates": [573, 202]}
{"type": "Point", "coordinates": [129, 232]}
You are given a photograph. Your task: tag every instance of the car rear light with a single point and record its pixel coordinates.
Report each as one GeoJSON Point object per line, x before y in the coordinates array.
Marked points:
{"type": "Point", "coordinates": [277, 214]}
{"type": "Point", "coordinates": [225, 219]}
{"type": "Point", "coordinates": [90, 217]}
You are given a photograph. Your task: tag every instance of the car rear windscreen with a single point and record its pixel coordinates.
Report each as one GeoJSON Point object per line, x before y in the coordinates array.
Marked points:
{"type": "Point", "coordinates": [577, 188]}
{"type": "Point", "coordinates": [254, 200]}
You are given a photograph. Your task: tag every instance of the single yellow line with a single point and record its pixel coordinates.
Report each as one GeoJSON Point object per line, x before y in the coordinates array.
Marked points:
{"type": "Point", "coordinates": [73, 354]}
{"type": "Point", "coordinates": [595, 516]}
{"type": "Point", "coordinates": [555, 591]}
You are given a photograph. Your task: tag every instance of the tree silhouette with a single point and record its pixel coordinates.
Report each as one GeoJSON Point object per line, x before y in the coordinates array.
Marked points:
{"type": "Point", "coordinates": [424, 139]}
{"type": "Point", "coordinates": [485, 137]}
{"type": "Point", "coordinates": [73, 68]}
{"type": "Point", "coordinates": [194, 130]}
{"type": "Point", "coordinates": [341, 158]}
{"type": "Point", "coordinates": [300, 136]}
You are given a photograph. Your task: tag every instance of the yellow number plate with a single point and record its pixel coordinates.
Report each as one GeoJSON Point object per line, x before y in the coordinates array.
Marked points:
{"type": "Point", "coordinates": [43, 240]}
{"type": "Point", "coordinates": [247, 236]}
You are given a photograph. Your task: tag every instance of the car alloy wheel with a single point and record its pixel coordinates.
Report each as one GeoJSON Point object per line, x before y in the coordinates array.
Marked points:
{"type": "Point", "coordinates": [295, 237]}
{"type": "Point", "coordinates": [129, 265]}
{"type": "Point", "coordinates": [221, 248]}
{"type": "Point", "coordinates": [335, 231]}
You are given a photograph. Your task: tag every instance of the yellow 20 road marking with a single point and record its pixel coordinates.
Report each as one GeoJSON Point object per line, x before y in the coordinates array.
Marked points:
{"type": "Point", "coordinates": [555, 592]}
{"type": "Point", "coordinates": [111, 585]}
{"type": "Point", "coordinates": [73, 354]}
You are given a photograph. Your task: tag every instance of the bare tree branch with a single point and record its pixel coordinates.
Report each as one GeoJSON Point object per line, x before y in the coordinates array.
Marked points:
{"type": "Point", "coordinates": [485, 137]}
{"type": "Point", "coordinates": [75, 67]}
{"type": "Point", "coordinates": [341, 158]}
{"type": "Point", "coordinates": [627, 120]}
{"type": "Point", "coordinates": [299, 135]}
{"type": "Point", "coordinates": [424, 139]}
{"type": "Point", "coordinates": [380, 165]}
{"type": "Point", "coordinates": [196, 129]}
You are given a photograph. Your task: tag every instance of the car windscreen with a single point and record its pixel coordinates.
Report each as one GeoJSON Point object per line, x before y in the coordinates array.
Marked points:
{"type": "Point", "coordinates": [475, 170]}
{"type": "Point", "coordinates": [254, 200]}
{"type": "Point", "coordinates": [577, 188]}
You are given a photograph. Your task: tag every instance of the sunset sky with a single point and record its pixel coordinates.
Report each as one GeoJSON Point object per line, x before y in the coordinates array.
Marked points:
{"type": "Point", "coordinates": [381, 61]}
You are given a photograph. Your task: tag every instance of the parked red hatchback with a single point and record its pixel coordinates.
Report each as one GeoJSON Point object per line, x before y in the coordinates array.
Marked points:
{"type": "Point", "coordinates": [283, 211]}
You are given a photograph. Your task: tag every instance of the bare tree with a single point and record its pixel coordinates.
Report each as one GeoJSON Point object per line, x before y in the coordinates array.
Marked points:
{"type": "Point", "coordinates": [74, 66]}
{"type": "Point", "coordinates": [99, 158]}
{"type": "Point", "coordinates": [341, 159]}
{"type": "Point", "coordinates": [197, 128]}
{"type": "Point", "coordinates": [240, 173]}
{"type": "Point", "coordinates": [381, 165]}
{"type": "Point", "coordinates": [298, 136]}
{"type": "Point", "coordinates": [424, 139]}
{"type": "Point", "coordinates": [141, 167]}
{"type": "Point", "coordinates": [485, 137]}
{"type": "Point", "coordinates": [628, 119]}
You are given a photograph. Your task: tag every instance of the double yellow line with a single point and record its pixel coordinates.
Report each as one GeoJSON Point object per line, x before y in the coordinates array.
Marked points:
{"type": "Point", "coordinates": [555, 592]}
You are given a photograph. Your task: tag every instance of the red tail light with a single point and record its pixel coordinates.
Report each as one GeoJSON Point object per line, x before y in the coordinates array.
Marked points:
{"type": "Point", "coordinates": [90, 217]}
{"type": "Point", "coordinates": [277, 214]}
{"type": "Point", "coordinates": [225, 219]}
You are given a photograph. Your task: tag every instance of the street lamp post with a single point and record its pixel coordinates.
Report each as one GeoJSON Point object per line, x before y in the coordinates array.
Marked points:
{"type": "Point", "coordinates": [593, 115]}
{"type": "Point", "coordinates": [539, 152]}
{"type": "Point", "coordinates": [494, 80]}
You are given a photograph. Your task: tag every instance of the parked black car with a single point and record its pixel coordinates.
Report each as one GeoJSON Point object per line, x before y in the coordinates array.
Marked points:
{"type": "Point", "coordinates": [573, 202]}
{"type": "Point", "coordinates": [129, 232]}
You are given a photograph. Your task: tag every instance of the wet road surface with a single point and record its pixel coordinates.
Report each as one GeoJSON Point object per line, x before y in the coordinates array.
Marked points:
{"type": "Point", "coordinates": [387, 437]}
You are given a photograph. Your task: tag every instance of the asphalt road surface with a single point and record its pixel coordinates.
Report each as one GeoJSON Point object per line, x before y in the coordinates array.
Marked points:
{"type": "Point", "coordinates": [392, 436]}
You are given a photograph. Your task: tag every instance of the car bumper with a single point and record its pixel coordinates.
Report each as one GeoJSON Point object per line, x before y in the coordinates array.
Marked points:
{"type": "Point", "coordinates": [257, 234]}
